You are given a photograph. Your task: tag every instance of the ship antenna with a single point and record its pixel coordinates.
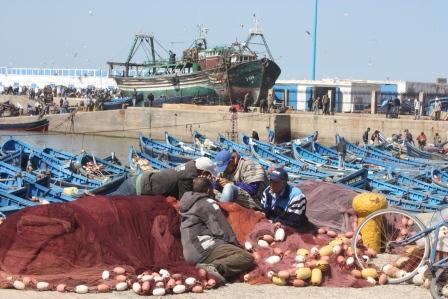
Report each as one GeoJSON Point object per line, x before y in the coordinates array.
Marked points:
{"type": "Point", "coordinates": [253, 32]}
{"type": "Point", "coordinates": [202, 32]}
{"type": "Point", "coordinates": [257, 30]}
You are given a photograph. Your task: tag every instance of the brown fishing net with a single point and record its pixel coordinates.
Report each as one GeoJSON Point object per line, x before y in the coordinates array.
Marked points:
{"type": "Point", "coordinates": [329, 205]}
{"type": "Point", "coordinates": [73, 243]}
{"type": "Point", "coordinates": [338, 274]}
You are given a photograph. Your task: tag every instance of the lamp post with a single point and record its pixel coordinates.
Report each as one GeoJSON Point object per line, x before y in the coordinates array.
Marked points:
{"type": "Point", "coordinates": [313, 44]}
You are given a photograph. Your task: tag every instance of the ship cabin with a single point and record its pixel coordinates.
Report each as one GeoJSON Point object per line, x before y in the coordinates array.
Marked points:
{"type": "Point", "coordinates": [242, 57]}
{"type": "Point", "coordinates": [213, 57]}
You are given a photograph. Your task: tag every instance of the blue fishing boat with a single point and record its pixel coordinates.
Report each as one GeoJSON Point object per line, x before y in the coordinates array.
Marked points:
{"type": "Point", "coordinates": [29, 186]}
{"type": "Point", "coordinates": [300, 153]}
{"type": "Point", "coordinates": [148, 145]}
{"type": "Point", "coordinates": [262, 153]}
{"type": "Point", "coordinates": [405, 193]}
{"type": "Point", "coordinates": [439, 177]}
{"type": "Point", "coordinates": [59, 154]}
{"type": "Point", "coordinates": [10, 203]}
{"type": "Point", "coordinates": [365, 153]}
{"type": "Point", "coordinates": [419, 185]}
{"type": "Point", "coordinates": [272, 147]}
{"type": "Point", "coordinates": [27, 157]}
{"type": "Point", "coordinates": [87, 164]}
{"type": "Point", "coordinates": [331, 153]}
{"type": "Point", "coordinates": [101, 169]}
{"type": "Point", "coordinates": [357, 179]}
{"type": "Point", "coordinates": [230, 145]}
{"type": "Point", "coordinates": [173, 141]}
{"type": "Point", "coordinates": [202, 140]}
{"type": "Point", "coordinates": [140, 162]}
{"type": "Point", "coordinates": [118, 103]}
{"type": "Point", "coordinates": [205, 148]}
{"type": "Point", "coordinates": [401, 203]}
{"type": "Point", "coordinates": [303, 142]}
{"type": "Point", "coordinates": [413, 151]}
{"type": "Point", "coordinates": [40, 125]}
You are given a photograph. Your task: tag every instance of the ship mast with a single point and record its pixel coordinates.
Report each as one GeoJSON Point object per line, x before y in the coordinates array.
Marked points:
{"type": "Point", "coordinates": [147, 43]}
{"type": "Point", "coordinates": [253, 33]}
{"type": "Point", "coordinates": [141, 40]}
{"type": "Point", "coordinates": [203, 31]}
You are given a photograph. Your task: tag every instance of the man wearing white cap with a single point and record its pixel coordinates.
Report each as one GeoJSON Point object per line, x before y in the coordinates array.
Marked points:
{"type": "Point", "coordinates": [169, 182]}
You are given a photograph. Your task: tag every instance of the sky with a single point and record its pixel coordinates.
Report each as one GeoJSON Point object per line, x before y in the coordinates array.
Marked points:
{"type": "Point", "coordinates": [356, 39]}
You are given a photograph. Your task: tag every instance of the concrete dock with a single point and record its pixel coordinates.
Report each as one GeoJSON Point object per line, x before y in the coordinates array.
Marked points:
{"type": "Point", "coordinates": [181, 120]}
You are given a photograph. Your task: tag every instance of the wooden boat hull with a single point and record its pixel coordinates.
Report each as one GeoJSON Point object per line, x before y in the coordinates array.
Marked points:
{"type": "Point", "coordinates": [34, 126]}
{"type": "Point", "coordinates": [413, 151]}
{"type": "Point", "coordinates": [116, 104]}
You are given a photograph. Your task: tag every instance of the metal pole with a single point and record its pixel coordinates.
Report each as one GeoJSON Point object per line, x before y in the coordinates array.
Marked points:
{"type": "Point", "coordinates": [313, 46]}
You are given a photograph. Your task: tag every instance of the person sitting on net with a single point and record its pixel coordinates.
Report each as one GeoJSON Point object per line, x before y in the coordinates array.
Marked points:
{"type": "Point", "coordinates": [284, 203]}
{"type": "Point", "coordinates": [207, 238]}
{"type": "Point", "coordinates": [242, 180]}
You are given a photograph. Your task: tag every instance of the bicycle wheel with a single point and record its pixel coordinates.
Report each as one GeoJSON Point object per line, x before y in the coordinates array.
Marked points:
{"type": "Point", "coordinates": [439, 283]}
{"type": "Point", "coordinates": [399, 259]}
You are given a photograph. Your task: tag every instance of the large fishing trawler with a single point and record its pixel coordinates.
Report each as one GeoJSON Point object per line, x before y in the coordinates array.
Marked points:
{"type": "Point", "coordinates": [223, 74]}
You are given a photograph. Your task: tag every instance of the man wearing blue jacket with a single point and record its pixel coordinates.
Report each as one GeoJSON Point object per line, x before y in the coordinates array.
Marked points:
{"type": "Point", "coordinates": [283, 202]}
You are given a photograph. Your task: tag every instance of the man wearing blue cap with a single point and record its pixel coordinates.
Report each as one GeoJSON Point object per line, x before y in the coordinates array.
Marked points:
{"type": "Point", "coordinates": [242, 180]}
{"type": "Point", "coordinates": [283, 202]}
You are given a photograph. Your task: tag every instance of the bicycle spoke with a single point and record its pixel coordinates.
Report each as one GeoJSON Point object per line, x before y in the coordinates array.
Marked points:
{"type": "Point", "coordinates": [398, 257]}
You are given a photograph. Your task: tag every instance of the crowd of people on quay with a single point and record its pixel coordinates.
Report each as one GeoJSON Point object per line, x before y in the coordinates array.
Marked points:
{"type": "Point", "coordinates": [393, 107]}
{"type": "Point", "coordinates": [422, 141]}
{"type": "Point", "coordinates": [56, 99]}
{"type": "Point", "coordinates": [270, 104]}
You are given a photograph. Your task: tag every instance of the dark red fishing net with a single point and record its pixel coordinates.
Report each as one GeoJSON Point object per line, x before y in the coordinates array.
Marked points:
{"type": "Point", "coordinates": [337, 276]}
{"type": "Point", "coordinates": [73, 243]}
{"type": "Point", "coordinates": [329, 205]}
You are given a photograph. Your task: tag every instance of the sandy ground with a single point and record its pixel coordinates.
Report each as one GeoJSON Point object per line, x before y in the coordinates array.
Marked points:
{"type": "Point", "coordinates": [241, 290]}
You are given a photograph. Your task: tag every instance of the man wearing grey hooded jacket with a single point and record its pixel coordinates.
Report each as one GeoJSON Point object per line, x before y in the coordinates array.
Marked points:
{"type": "Point", "coordinates": [207, 238]}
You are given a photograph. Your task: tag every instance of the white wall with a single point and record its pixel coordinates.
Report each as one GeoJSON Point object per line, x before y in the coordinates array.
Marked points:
{"type": "Point", "coordinates": [347, 103]}
{"type": "Point", "coordinates": [301, 97]}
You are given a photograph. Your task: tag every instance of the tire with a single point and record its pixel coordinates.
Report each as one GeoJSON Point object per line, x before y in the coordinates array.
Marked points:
{"type": "Point", "coordinates": [391, 224]}
{"type": "Point", "coordinates": [439, 278]}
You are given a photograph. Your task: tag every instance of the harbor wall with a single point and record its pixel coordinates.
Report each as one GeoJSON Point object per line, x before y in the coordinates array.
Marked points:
{"type": "Point", "coordinates": [154, 122]}
{"type": "Point", "coordinates": [352, 126]}
{"type": "Point", "coordinates": [181, 123]}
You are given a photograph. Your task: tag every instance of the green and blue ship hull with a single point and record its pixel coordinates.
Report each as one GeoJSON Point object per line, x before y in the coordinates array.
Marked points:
{"type": "Point", "coordinates": [217, 86]}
